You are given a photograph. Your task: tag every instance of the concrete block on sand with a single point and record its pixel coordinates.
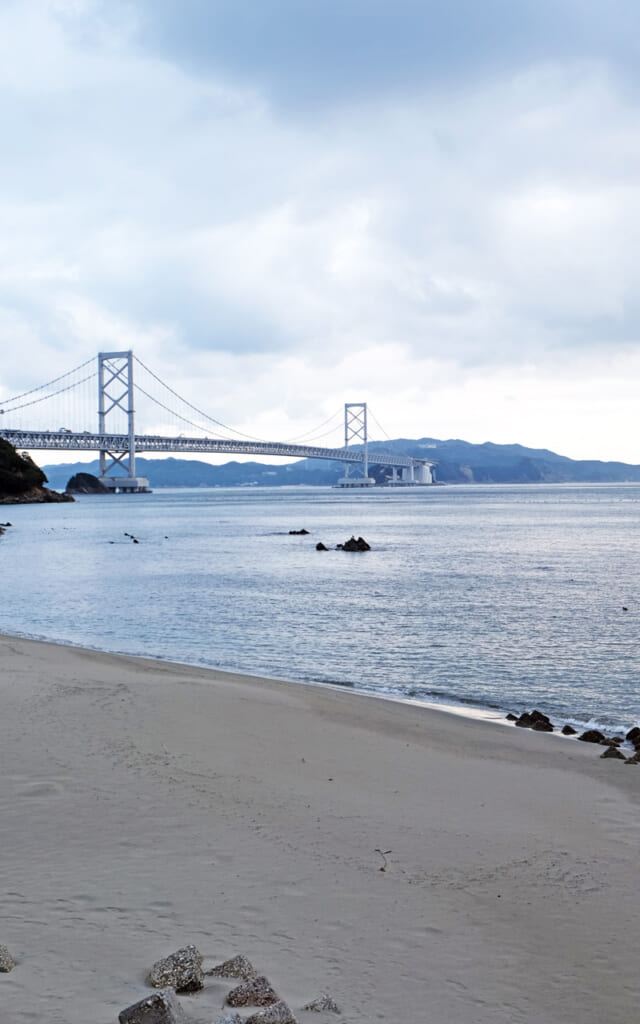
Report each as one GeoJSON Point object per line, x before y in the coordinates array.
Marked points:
{"type": "Point", "coordinates": [181, 970]}
{"type": "Point", "coordinates": [277, 1013]}
{"type": "Point", "coordinates": [159, 1008]}
{"type": "Point", "coordinates": [323, 1004]}
{"type": "Point", "coordinates": [238, 967]}
{"type": "Point", "coordinates": [255, 992]}
{"type": "Point", "coordinates": [7, 963]}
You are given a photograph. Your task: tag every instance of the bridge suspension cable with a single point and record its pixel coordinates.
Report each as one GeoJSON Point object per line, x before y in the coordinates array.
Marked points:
{"type": "Point", "coordinates": [51, 394]}
{"type": "Point", "coordinates": [211, 419]}
{"type": "Point", "coordinates": [43, 387]}
{"type": "Point", "coordinates": [166, 408]}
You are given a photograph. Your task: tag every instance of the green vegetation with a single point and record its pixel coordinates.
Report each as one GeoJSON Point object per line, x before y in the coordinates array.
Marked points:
{"type": "Point", "coordinates": [21, 480]}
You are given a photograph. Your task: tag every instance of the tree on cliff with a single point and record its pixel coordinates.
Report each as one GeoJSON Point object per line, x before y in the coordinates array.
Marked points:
{"type": "Point", "coordinates": [21, 480]}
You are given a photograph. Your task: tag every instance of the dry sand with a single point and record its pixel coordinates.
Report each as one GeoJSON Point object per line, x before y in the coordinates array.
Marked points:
{"type": "Point", "coordinates": [145, 806]}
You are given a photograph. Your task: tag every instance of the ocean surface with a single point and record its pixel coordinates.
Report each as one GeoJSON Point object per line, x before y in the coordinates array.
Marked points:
{"type": "Point", "coordinates": [485, 597]}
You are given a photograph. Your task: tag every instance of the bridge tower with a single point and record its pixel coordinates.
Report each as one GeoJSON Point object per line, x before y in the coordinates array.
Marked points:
{"type": "Point", "coordinates": [355, 430]}
{"type": "Point", "coordinates": [115, 395]}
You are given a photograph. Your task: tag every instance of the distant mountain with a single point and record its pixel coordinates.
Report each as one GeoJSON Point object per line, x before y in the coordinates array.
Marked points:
{"type": "Point", "coordinates": [455, 462]}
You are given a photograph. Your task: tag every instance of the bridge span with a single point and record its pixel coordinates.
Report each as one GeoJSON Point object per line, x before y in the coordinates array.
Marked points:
{"type": "Point", "coordinates": [116, 395]}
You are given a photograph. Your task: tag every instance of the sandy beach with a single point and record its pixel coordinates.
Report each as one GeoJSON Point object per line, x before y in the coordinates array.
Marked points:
{"type": "Point", "coordinates": [147, 805]}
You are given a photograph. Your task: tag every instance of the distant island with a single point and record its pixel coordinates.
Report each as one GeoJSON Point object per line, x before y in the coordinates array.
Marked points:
{"type": "Point", "coordinates": [455, 462]}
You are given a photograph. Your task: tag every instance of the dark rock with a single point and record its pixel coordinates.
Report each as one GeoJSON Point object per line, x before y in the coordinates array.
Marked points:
{"type": "Point", "coordinates": [277, 1013]}
{"type": "Point", "coordinates": [615, 741]}
{"type": "Point", "coordinates": [7, 963]}
{"type": "Point", "coordinates": [568, 730]}
{"type": "Point", "coordinates": [159, 1008]}
{"type": "Point", "coordinates": [512, 718]}
{"type": "Point", "coordinates": [593, 736]}
{"type": "Point", "coordinates": [85, 483]}
{"type": "Point", "coordinates": [634, 759]}
{"type": "Point", "coordinates": [534, 720]}
{"type": "Point", "coordinates": [181, 970]}
{"type": "Point", "coordinates": [298, 533]}
{"type": "Point", "coordinates": [323, 1004]}
{"type": "Point", "coordinates": [541, 726]}
{"type": "Point", "coordinates": [354, 544]}
{"type": "Point", "coordinates": [254, 992]}
{"type": "Point", "coordinates": [237, 967]}
{"type": "Point", "coordinates": [633, 736]}
{"type": "Point", "coordinates": [613, 752]}
{"type": "Point", "coordinates": [320, 547]}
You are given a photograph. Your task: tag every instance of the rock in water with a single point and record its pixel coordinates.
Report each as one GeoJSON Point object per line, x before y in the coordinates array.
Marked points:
{"type": "Point", "coordinates": [181, 971]}
{"type": "Point", "coordinates": [568, 730]}
{"type": "Point", "coordinates": [323, 1004]}
{"type": "Point", "coordinates": [298, 533]}
{"type": "Point", "coordinates": [255, 992]}
{"type": "Point", "coordinates": [277, 1013]}
{"type": "Point", "coordinates": [592, 736]}
{"type": "Point", "coordinates": [321, 547]}
{"type": "Point", "coordinates": [238, 967]}
{"type": "Point", "coordinates": [159, 1008]}
{"type": "Point", "coordinates": [534, 720]}
{"type": "Point", "coordinates": [7, 963]}
{"type": "Point", "coordinates": [633, 736]}
{"type": "Point", "coordinates": [354, 544]}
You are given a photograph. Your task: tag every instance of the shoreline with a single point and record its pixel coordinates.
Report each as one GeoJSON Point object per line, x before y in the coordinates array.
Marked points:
{"type": "Point", "coordinates": [475, 712]}
{"type": "Point", "coordinates": [146, 805]}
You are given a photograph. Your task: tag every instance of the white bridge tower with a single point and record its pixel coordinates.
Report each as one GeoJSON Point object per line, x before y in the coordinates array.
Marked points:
{"type": "Point", "coordinates": [355, 430]}
{"type": "Point", "coordinates": [115, 397]}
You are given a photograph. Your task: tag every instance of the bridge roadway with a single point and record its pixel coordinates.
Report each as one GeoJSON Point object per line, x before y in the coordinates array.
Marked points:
{"type": "Point", "coordinates": [26, 440]}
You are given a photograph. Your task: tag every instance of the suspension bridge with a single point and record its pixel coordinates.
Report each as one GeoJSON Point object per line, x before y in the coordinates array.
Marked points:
{"type": "Point", "coordinates": [71, 397]}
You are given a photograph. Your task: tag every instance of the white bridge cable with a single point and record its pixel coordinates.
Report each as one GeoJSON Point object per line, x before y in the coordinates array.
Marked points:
{"type": "Point", "coordinates": [312, 435]}
{"type": "Point", "coordinates": [172, 412]}
{"type": "Point", "coordinates": [42, 387]}
{"type": "Point", "coordinates": [51, 394]}
{"type": "Point", "coordinates": [195, 408]}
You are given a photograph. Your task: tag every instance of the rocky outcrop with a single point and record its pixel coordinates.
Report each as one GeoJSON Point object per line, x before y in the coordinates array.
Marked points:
{"type": "Point", "coordinates": [85, 483]}
{"type": "Point", "coordinates": [181, 970]}
{"type": "Point", "coordinates": [534, 720]}
{"type": "Point", "coordinates": [354, 544]}
{"type": "Point", "coordinates": [633, 737]}
{"type": "Point", "coordinates": [298, 533]}
{"type": "Point", "coordinates": [321, 547]}
{"type": "Point", "coordinates": [613, 752]}
{"type": "Point", "coordinates": [593, 736]}
{"type": "Point", "coordinates": [568, 730]}
{"type": "Point", "coordinates": [21, 481]}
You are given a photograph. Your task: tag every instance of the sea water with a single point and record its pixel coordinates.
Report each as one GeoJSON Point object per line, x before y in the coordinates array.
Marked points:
{"type": "Point", "coordinates": [503, 597]}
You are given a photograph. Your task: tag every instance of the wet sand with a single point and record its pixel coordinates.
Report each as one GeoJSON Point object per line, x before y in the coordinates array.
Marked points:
{"type": "Point", "coordinates": [145, 805]}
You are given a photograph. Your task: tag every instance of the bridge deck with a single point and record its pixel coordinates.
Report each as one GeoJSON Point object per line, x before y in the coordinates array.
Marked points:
{"type": "Point", "coordinates": [55, 439]}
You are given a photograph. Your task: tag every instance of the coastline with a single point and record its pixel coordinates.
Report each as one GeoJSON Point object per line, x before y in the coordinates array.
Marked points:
{"type": "Point", "coordinates": [475, 710]}
{"type": "Point", "coordinates": [146, 805]}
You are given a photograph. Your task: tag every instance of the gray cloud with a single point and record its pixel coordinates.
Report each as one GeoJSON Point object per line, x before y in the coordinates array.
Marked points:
{"type": "Point", "coordinates": [310, 53]}
{"type": "Point", "coordinates": [298, 198]}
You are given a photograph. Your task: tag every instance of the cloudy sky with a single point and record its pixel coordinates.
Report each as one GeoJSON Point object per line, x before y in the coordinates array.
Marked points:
{"type": "Point", "coordinates": [283, 205]}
